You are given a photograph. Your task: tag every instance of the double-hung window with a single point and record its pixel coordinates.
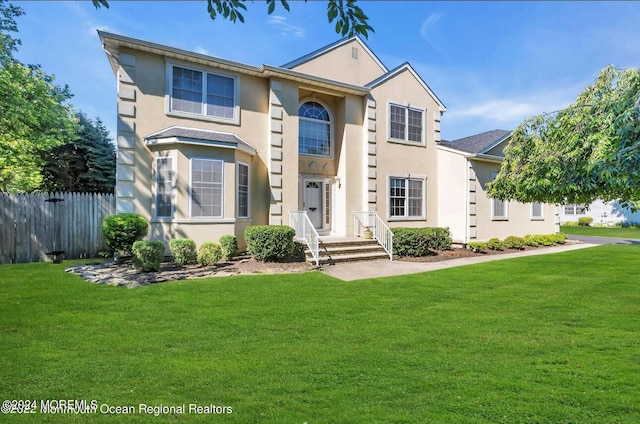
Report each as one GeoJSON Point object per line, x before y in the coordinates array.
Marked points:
{"type": "Point", "coordinates": [203, 93]}
{"type": "Point", "coordinates": [164, 188]}
{"type": "Point", "coordinates": [406, 197]}
{"type": "Point", "coordinates": [575, 209]}
{"type": "Point", "coordinates": [243, 191]}
{"type": "Point", "coordinates": [499, 208]}
{"type": "Point", "coordinates": [536, 210]}
{"type": "Point", "coordinates": [406, 124]}
{"type": "Point", "coordinates": [207, 188]}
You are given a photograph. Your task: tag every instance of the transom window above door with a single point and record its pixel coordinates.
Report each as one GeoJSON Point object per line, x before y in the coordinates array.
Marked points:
{"type": "Point", "coordinates": [314, 130]}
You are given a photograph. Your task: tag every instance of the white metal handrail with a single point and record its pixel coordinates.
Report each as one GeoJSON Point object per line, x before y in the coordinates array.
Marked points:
{"type": "Point", "coordinates": [300, 222]}
{"type": "Point", "coordinates": [381, 233]}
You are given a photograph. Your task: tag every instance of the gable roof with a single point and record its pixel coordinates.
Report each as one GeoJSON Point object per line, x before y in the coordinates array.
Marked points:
{"type": "Point", "coordinates": [479, 143]}
{"type": "Point", "coordinates": [184, 135]}
{"type": "Point", "coordinates": [330, 47]}
{"type": "Point", "coordinates": [112, 43]}
{"type": "Point", "coordinates": [398, 70]}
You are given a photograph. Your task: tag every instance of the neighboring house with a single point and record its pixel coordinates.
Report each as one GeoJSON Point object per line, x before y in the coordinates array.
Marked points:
{"type": "Point", "coordinates": [208, 146]}
{"type": "Point", "coordinates": [465, 166]}
{"type": "Point", "coordinates": [602, 213]}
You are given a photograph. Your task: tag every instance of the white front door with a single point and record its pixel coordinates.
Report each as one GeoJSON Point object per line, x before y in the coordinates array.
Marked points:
{"type": "Point", "coordinates": [313, 202]}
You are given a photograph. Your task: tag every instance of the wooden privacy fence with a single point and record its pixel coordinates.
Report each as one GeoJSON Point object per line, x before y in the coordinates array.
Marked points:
{"type": "Point", "coordinates": [33, 227]}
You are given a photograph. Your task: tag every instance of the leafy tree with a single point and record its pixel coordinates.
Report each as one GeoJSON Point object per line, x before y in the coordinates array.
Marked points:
{"type": "Point", "coordinates": [588, 151]}
{"type": "Point", "coordinates": [33, 113]}
{"type": "Point", "coordinates": [350, 19]}
{"type": "Point", "coordinates": [87, 164]}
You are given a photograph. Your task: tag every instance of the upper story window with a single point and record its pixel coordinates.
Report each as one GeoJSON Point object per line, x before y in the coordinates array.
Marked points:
{"type": "Point", "coordinates": [202, 93]}
{"type": "Point", "coordinates": [314, 130]}
{"type": "Point", "coordinates": [406, 124]}
{"type": "Point", "coordinates": [575, 209]}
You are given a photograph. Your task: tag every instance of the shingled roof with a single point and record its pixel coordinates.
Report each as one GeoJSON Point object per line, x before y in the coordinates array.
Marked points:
{"type": "Point", "coordinates": [478, 143]}
{"type": "Point", "coordinates": [198, 136]}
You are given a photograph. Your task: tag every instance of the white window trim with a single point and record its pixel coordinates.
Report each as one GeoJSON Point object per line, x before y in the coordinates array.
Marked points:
{"type": "Point", "coordinates": [173, 188]}
{"type": "Point", "coordinates": [407, 107]}
{"type": "Point", "coordinates": [331, 120]}
{"type": "Point", "coordinates": [495, 217]}
{"type": "Point", "coordinates": [408, 177]}
{"type": "Point", "coordinates": [210, 218]}
{"type": "Point", "coordinates": [238, 163]}
{"type": "Point", "coordinates": [537, 217]}
{"type": "Point", "coordinates": [200, 116]}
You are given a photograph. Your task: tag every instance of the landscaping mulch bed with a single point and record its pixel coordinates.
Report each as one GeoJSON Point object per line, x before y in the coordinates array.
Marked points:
{"type": "Point", "coordinates": [445, 255]}
{"type": "Point", "coordinates": [121, 273]}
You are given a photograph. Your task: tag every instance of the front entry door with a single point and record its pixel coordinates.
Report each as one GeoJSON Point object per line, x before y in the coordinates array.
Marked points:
{"type": "Point", "coordinates": [313, 202]}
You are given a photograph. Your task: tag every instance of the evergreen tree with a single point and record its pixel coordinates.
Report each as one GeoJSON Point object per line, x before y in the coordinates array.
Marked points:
{"type": "Point", "coordinates": [86, 164]}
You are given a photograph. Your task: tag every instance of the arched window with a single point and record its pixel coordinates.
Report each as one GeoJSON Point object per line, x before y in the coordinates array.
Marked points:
{"type": "Point", "coordinates": [314, 130]}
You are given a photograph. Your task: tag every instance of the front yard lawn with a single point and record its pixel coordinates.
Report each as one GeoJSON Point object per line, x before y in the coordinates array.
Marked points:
{"type": "Point", "coordinates": [627, 233]}
{"type": "Point", "coordinates": [544, 339]}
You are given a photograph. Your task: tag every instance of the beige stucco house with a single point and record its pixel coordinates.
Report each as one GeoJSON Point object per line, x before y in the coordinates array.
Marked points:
{"type": "Point", "coordinates": [208, 146]}
{"type": "Point", "coordinates": [465, 166]}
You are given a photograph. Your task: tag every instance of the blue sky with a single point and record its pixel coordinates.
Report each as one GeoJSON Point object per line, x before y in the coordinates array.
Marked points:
{"type": "Point", "coordinates": [493, 64]}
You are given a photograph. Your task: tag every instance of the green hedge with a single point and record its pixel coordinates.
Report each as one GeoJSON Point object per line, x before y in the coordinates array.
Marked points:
{"type": "Point", "coordinates": [229, 246]}
{"type": "Point", "coordinates": [478, 247]}
{"type": "Point", "coordinates": [494, 244]}
{"type": "Point", "coordinates": [147, 255]}
{"type": "Point", "coordinates": [514, 242]}
{"type": "Point", "coordinates": [585, 221]}
{"type": "Point", "coordinates": [269, 242]}
{"type": "Point", "coordinates": [183, 251]}
{"type": "Point", "coordinates": [120, 231]}
{"type": "Point", "coordinates": [209, 253]}
{"type": "Point", "coordinates": [420, 241]}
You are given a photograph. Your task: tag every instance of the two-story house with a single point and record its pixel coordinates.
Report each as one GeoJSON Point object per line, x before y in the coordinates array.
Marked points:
{"type": "Point", "coordinates": [208, 146]}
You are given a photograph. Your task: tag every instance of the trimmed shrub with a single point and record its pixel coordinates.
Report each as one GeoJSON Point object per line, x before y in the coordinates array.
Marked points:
{"type": "Point", "coordinates": [298, 254]}
{"type": "Point", "coordinates": [543, 240]}
{"type": "Point", "coordinates": [559, 238]}
{"type": "Point", "coordinates": [585, 221]}
{"type": "Point", "coordinates": [440, 238]}
{"type": "Point", "coordinates": [120, 231]}
{"type": "Point", "coordinates": [183, 251]}
{"type": "Point", "coordinates": [478, 247]}
{"type": "Point", "coordinates": [410, 242]}
{"type": "Point", "coordinates": [530, 240]}
{"type": "Point", "coordinates": [229, 246]}
{"type": "Point", "coordinates": [147, 255]}
{"type": "Point", "coordinates": [514, 242]}
{"type": "Point", "coordinates": [419, 241]}
{"type": "Point", "coordinates": [570, 224]}
{"type": "Point", "coordinates": [494, 244]}
{"type": "Point", "coordinates": [209, 253]}
{"type": "Point", "coordinates": [269, 242]}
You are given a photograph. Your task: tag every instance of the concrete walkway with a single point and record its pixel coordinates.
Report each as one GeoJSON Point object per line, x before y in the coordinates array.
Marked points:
{"type": "Point", "coordinates": [384, 268]}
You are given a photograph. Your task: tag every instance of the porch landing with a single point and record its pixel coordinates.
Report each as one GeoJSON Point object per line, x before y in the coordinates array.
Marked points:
{"type": "Point", "coordinates": [335, 249]}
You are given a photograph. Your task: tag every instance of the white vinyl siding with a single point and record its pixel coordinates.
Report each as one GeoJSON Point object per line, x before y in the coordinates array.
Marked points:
{"type": "Point", "coordinates": [201, 93]}
{"type": "Point", "coordinates": [207, 188]}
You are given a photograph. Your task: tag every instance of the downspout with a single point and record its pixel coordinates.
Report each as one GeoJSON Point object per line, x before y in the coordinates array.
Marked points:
{"type": "Point", "coordinates": [465, 239]}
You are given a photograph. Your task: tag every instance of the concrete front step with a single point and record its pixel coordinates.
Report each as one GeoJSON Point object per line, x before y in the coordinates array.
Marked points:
{"type": "Point", "coordinates": [349, 251]}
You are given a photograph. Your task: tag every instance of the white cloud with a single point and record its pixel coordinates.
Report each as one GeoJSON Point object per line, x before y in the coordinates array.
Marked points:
{"type": "Point", "coordinates": [286, 29]}
{"type": "Point", "coordinates": [429, 28]}
{"type": "Point", "coordinates": [201, 50]}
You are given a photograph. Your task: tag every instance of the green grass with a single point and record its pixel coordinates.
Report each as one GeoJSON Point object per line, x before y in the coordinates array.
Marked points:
{"type": "Point", "coordinates": [628, 233]}
{"type": "Point", "coordinates": [543, 339]}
